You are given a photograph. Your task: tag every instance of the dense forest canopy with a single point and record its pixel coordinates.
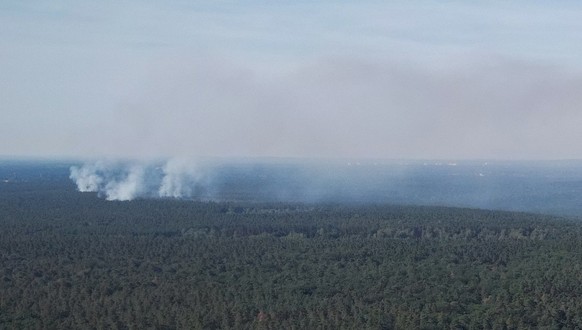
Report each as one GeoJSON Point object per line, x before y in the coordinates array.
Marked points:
{"type": "Point", "coordinates": [74, 260]}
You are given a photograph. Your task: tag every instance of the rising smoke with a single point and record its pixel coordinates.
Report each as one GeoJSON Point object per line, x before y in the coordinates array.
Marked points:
{"type": "Point", "coordinates": [124, 181]}
{"type": "Point", "coordinates": [551, 187]}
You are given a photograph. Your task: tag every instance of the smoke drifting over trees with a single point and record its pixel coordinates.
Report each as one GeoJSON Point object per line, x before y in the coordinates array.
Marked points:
{"type": "Point", "coordinates": [548, 187]}
{"type": "Point", "coordinates": [175, 178]}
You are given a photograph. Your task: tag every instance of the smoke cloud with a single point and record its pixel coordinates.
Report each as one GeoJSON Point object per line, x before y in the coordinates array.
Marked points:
{"type": "Point", "coordinates": [482, 108]}
{"type": "Point", "coordinates": [124, 181]}
{"type": "Point", "coordinates": [180, 177]}
{"type": "Point", "coordinates": [128, 187]}
{"type": "Point", "coordinates": [88, 178]}
{"type": "Point", "coordinates": [371, 79]}
{"type": "Point", "coordinates": [551, 187]}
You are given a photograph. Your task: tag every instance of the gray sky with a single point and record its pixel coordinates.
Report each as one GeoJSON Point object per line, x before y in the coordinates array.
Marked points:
{"type": "Point", "coordinates": [370, 79]}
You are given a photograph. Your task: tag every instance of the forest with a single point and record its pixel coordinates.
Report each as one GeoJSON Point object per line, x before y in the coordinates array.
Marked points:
{"type": "Point", "coordinates": [73, 260]}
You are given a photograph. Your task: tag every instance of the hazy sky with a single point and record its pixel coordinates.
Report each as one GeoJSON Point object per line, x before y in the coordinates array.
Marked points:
{"type": "Point", "coordinates": [370, 79]}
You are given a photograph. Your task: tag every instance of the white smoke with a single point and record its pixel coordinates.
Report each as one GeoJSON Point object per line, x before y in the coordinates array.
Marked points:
{"type": "Point", "coordinates": [175, 178]}
{"type": "Point", "coordinates": [180, 178]}
{"type": "Point", "coordinates": [87, 177]}
{"type": "Point", "coordinates": [127, 188]}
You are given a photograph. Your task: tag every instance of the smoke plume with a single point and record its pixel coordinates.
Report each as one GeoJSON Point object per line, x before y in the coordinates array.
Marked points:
{"type": "Point", "coordinates": [548, 187]}
{"type": "Point", "coordinates": [88, 177]}
{"type": "Point", "coordinates": [122, 181]}
{"type": "Point", "coordinates": [180, 177]}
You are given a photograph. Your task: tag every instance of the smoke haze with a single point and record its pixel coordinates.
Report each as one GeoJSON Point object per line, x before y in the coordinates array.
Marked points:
{"type": "Point", "coordinates": [550, 187]}
{"type": "Point", "coordinates": [391, 80]}
{"type": "Point", "coordinates": [494, 108]}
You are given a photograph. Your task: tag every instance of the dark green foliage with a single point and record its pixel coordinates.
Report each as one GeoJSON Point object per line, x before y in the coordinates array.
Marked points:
{"type": "Point", "coordinates": [71, 260]}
